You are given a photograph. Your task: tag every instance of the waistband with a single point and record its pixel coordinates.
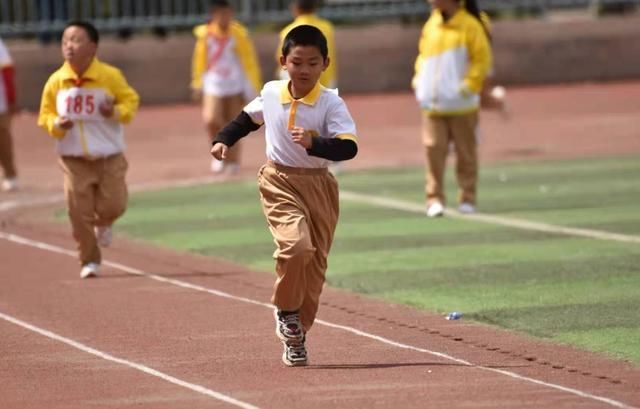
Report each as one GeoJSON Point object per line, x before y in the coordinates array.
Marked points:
{"type": "Point", "coordinates": [297, 171]}
{"type": "Point", "coordinates": [90, 158]}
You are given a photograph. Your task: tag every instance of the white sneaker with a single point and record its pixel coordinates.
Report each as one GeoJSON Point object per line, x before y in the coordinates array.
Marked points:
{"type": "Point", "coordinates": [466, 208]}
{"type": "Point", "coordinates": [104, 235]}
{"type": "Point", "coordinates": [89, 270]}
{"type": "Point", "coordinates": [217, 166]}
{"type": "Point", "coordinates": [435, 209]}
{"type": "Point", "coordinates": [232, 168]}
{"type": "Point", "coordinates": [10, 185]}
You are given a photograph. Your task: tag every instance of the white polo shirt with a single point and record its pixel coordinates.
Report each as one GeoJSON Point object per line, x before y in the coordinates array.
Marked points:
{"type": "Point", "coordinates": [5, 61]}
{"type": "Point", "coordinates": [321, 111]}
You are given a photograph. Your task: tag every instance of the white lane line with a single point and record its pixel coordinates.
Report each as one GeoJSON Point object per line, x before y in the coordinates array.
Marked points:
{"type": "Point", "coordinates": [142, 368]}
{"type": "Point", "coordinates": [396, 204]}
{"type": "Point", "coordinates": [44, 246]}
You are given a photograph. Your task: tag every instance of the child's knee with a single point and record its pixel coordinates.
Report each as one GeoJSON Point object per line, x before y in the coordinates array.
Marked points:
{"type": "Point", "coordinates": [300, 248]}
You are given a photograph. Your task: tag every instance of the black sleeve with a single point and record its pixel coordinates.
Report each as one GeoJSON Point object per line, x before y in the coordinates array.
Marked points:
{"type": "Point", "coordinates": [236, 129]}
{"type": "Point", "coordinates": [333, 148]}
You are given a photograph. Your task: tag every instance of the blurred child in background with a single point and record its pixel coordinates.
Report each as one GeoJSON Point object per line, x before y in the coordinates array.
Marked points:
{"type": "Point", "coordinates": [225, 74]}
{"type": "Point", "coordinates": [84, 104]}
{"type": "Point", "coordinates": [7, 109]}
{"type": "Point", "coordinates": [453, 62]}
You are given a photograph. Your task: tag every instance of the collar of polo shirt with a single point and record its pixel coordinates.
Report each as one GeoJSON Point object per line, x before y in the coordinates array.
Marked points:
{"type": "Point", "coordinates": [90, 74]}
{"type": "Point", "coordinates": [310, 99]}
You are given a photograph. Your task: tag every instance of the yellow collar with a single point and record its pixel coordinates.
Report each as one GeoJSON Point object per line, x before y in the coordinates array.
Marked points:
{"type": "Point", "coordinates": [90, 74]}
{"type": "Point", "coordinates": [306, 18]}
{"type": "Point", "coordinates": [310, 99]}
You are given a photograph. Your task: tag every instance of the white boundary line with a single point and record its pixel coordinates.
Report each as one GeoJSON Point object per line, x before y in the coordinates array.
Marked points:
{"type": "Point", "coordinates": [44, 246]}
{"type": "Point", "coordinates": [142, 368]}
{"type": "Point", "coordinates": [487, 218]}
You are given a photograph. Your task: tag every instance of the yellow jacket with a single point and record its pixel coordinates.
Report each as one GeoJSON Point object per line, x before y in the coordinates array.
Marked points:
{"type": "Point", "coordinates": [454, 59]}
{"type": "Point", "coordinates": [243, 47]}
{"type": "Point", "coordinates": [92, 135]}
{"type": "Point", "coordinates": [329, 77]}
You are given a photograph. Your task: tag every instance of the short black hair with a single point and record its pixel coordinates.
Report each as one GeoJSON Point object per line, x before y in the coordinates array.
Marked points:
{"type": "Point", "coordinates": [90, 29]}
{"type": "Point", "coordinates": [218, 4]}
{"type": "Point", "coordinates": [306, 5]}
{"type": "Point", "coordinates": [305, 35]}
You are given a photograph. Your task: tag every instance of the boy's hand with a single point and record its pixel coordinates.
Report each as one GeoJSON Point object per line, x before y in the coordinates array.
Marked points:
{"type": "Point", "coordinates": [302, 136]}
{"type": "Point", "coordinates": [65, 123]}
{"type": "Point", "coordinates": [106, 108]}
{"type": "Point", "coordinates": [219, 151]}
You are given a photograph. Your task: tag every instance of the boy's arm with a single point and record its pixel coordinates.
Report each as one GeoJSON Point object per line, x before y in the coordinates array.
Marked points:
{"type": "Point", "coordinates": [342, 143]}
{"type": "Point", "coordinates": [48, 117]}
{"type": "Point", "coordinates": [199, 59]}
{"type": "Point", "coordinates": [334, 149]}
{"type": "Point", "coordinates": [127, 99]}
{"type": "Point", "coordinates": [480, 61]}
{"type": "Point", "coordinates": [236, 130]}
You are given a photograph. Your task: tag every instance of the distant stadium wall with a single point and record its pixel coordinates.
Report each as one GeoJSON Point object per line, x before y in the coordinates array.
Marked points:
{"type": "Point", "coordinates": [375, 58]}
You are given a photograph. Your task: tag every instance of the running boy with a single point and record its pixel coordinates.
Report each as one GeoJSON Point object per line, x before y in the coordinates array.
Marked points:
{"type": "Point", "coordinates": [84, 104]}
{"type": "Point", "coordinates": [225, 74]}
{"type": "Point", "coordinates": [304, 12]}
{"type": "Point", "coordinates": [7, 109]}
{"type": "Point", "coordinates": [307, 126]}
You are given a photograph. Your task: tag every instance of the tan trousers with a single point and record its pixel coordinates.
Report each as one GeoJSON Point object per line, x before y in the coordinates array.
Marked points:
{"type": "Point", "coordinates": [216, 113]}
{"type": "Point", "coordinates": [96, 194]}
{"type": "Point", "coordinates": [6, 147]}
{"type": "Point", "coordinates": [301, 207]}
{"type": "Point", "coordinates": [437, 134]}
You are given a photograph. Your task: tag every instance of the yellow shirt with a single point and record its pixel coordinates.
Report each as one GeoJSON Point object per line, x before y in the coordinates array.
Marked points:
{"type": "Point", "coordinates": [329, 77]}
{"type": "Point", "coordinates": [243, 47]}
{"type": "Point", "coordinates": [92, 135]}
{"type": "Point", "coordinates": [454, 59]}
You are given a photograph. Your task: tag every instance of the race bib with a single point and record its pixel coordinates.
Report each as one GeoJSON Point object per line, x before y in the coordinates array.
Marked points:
{"type": "Point", "coordinates": [80, 104]}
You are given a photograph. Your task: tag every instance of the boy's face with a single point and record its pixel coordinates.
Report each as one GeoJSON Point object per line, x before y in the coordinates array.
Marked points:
{"type": "Point", "coordinates": [305, 64]}
{"type": "Point", "coordinates": [77, 48]}
{"type": "Point", "coordinates": [444, 5]}
{"type": "Point", "coordinates": [222, 16]}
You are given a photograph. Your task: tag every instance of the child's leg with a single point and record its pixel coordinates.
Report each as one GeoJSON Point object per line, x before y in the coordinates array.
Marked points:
{"type": "Point", "coordinates": [6, 147]}
{"type": "Point", "coordinates": [212, 115]}
{"type": "Point", "coordinates": [80, 180]}
{"type": "Point", "coordinates": [323, 193]}
{"type": "Point", "coordinates": [435, 137]}
{"type": "Point", "coordinates": [463, 129]}
{"type": "Point", "coordinates": [111, 193]}
{"type": "Point", "coordinates": [287, 222]}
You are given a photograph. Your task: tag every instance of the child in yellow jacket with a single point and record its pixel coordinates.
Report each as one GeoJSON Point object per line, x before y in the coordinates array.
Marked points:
{"type": "Point", "coordinates": [225, 74]}
{"type": "Point", "coordinates": [84, 104]}
{"type": "Point", "coordinates": [454, 59]}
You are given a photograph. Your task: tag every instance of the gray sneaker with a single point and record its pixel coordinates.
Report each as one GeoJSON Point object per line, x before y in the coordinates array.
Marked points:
{"type": "Point", "coordinates": [288, 327]}
{"type": "Point", "coordinates": [295, 355]}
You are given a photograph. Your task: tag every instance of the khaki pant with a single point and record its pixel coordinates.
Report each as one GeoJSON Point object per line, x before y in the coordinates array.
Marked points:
{"type": "Point", "coordinates": [96, 195]}
{"type": "Point", "coordinates": [6, 147]}
{"type": "Point", "coordinates": [437, 134]}
{"type": "Point", "coordinates": [218, 112]}
{"type": "Point", "coordinates": [301, 207]}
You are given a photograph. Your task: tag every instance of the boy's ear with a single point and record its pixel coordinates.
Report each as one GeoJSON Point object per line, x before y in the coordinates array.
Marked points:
{"type": "Point", "coordinates": [283, 60]}
{"type": "Point", "coordinates": [327, 62]}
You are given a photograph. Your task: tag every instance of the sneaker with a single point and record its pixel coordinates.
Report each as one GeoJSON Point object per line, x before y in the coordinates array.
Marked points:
{"type": "Point", "coordinates": [288, 327]}
{"type": "Point", "coordinates": [89, 270]}
{"type": "Point", "coordinates": [295, 355]}
{"type": "Point", "coordinates": [466, 208]}
{"type": "Point", "coordinates": [232, 168]}
{"type": "Point", "coordinates": [10, 185]}
{"type": "Point", "coordinates": [435, 209]}
{"type": "Point", "coordinates": [104, 235]}
{"type": "Point", "coordinates": [217, 166]}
